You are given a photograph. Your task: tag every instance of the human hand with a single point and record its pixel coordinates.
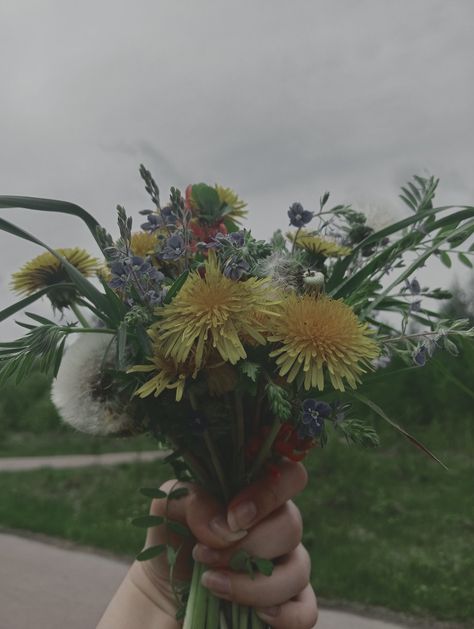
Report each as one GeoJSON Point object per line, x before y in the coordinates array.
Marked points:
{"type": "Point", "coordinates": [263, 521]}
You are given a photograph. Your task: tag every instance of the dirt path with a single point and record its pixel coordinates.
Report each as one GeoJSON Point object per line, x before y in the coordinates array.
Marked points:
{"type": "Point", "coordinates": [17, 464]}
{"type": "Point", "coordinates": [49, 587]}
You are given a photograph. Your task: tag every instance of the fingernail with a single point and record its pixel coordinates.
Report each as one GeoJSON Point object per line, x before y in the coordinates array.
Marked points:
{"type": "Point", "coordinates": [220, 527]}
{"type": "Point", "coordinates": [269, 611]}
{"type": "Point", "coordinates": [218, 582]}
{"type": "Point", "coordinates": [204, 554]}
{"type": "Point", "coordinates": [242, 516]}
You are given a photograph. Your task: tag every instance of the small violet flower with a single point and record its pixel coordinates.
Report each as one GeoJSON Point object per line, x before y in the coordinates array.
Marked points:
{"type": "Point", "coordinates": [419, 356]}
{"type": "Point", "coordinates": [173, 249]}
{"type": "Point", "coordinates": [312, 420]}
{"type": "Point", "coordinates": [153, 222]}
{"type": "Point", "coordinates": [298, 215]}
{"type": "Point", "coordinates": [236, 268]}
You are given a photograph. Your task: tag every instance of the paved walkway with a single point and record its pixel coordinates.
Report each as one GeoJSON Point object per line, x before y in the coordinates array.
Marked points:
{"type": "Point", "coordinates": [16, 464]}
{"type": "Point", "coordinates": [46, 587]}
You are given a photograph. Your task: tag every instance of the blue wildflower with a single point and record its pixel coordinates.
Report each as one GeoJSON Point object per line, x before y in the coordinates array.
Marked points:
{"type": "Point", "coordinates": [298, 215]}
{"type": "Point", "coordinates": [312, 419]}
{"type": "Point", "coordinates": [168, 216]}
{"type": "Point", "coordinates": [173, 249]}
{"type": "Point", "coordinates": [236, 268]}
{"type": "Point", "coordinates": [153, 222]}
{"type": "Point", "coordinates": [415, 306]}
{"type": "Point", "coordinates": [419, 356]}
{"type": "Point", "coordinates": [413, 287]}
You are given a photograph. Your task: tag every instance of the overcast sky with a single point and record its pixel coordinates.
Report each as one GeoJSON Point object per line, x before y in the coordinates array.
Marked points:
{"type": "Point", "coordinates": [280, 100]}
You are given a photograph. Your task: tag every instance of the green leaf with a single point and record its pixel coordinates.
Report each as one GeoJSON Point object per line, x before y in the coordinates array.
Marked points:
{"type": "Point", "coordinates": [178, 493]}
{"type": "Point", "coordinates": [151, 552]}
{"type": "Point", "coordinates": [338, 286]}
{"type": "Point", "coordinates": [178, 528]}
{"type": "Point", "coordinates": [175, 287]}
{"type": "Point", "coordinates": [401, 430]}
{"type": "Point", "coordinates": [26, 301]}
{"type": "Point", "coordinates": [279, 402]}
{"type": "Point", "coordinates": [249, 369]}
{"type": "Point", "coordinates": [450, 346]}
{"type": "Point", "coordinates": [82, 284]}
{"type": "Point", "coordinates": [411, 268]}
{"type": "Point", "coordinates": [462, 258]}
{"type": "Point", "coordinates": [41, 347]}
{"type": "Point", "coordinates": [206, 197]}
{"type": "Point", "coordinates": [445, 259]}
{"type": "Point", "coordinates": [265, 566]}
{"type": "Point", "coordinates": [240, 561]}
{"type": "Point", "coordinates": [151, 492]}
{"type": "Point", "coordinates": [52, 205]}
{"type": "Point", "coordinates": [147, 521]}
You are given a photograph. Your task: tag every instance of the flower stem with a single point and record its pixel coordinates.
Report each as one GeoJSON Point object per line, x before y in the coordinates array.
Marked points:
{"type": "Point", "coordinates": [243, 618]}
{"type": "Point", "coordinates": [213, 605]}
{"type": "Point", "coordinates": [80, 317]}
{"type": "Point", "coordinates": [294, 240]}
{"type": "Point", "coordinates": [235, 615]}
{"type": "Point", "coordinates": [264, 450]}
{"type": "Point", "coordinates": [190, 607]}
{"type": "Point", "coordinates": [201, 602]}
{"type": "Point", "coordinates": [239, 439]}
{"type": "Point", "coordinates": [217, 465]}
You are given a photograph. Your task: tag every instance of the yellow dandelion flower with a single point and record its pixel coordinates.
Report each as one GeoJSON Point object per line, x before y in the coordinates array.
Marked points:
{"type": "Point", "coordinates": [104, 273]}
{"type": "Point", "coordinates": [168, 373]}
{"type": "Point", "coordinates": [46, 270]}
{"type": "Point", "coordinates": [319, 335]}
{"type": "Point", "coordinates": [230, 198]}
{"type": "Point", "coordinates": [143, 243]}
{"type": "Point", "coordinates": [213, 311]}
{"type": "Point", "coordinates": [316, 244]}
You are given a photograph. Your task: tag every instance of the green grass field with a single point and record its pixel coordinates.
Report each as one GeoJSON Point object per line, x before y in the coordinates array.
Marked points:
{"type": "Point", "coordinates": [386, 527]}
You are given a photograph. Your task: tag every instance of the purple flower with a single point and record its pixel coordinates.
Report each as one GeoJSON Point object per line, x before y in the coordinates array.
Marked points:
{"type": "Point", "coordinates": [415, 306]}
{"type": "Point", "coordinates": [168, 216]}
{"type": "Point", "coordinates": [419, 356]}
{"type": "Point", "coordinates": [413, 287]}
{"type": "Point", "coordinates": [235, 269]}
{"type": "Point", "coordinates": [298, 215]}
{"type": "Point", "coordinates": [312, 419]}
{"type": "Point", "coordinates": [237, 238]}
{"type": "Point", "coordinates": [153, 222]}
{"type": "Point", "coordinates": [173, 249]}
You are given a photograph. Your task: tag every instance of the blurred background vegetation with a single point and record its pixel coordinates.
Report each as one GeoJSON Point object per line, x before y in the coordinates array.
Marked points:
{"type": "Point", "coordinates": [386, 527]}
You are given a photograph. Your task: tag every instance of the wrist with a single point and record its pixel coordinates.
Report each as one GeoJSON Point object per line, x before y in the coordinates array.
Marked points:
{"type": "Point", "coordinates": [143, 600]}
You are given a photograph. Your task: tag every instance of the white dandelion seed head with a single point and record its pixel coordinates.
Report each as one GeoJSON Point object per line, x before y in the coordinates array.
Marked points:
{"type": "Point", "coordinates": [378, 215]}
{"type": "Point", "coordinates": [282, 269]}
{"type": "Point", "coordinates": [78, 391]}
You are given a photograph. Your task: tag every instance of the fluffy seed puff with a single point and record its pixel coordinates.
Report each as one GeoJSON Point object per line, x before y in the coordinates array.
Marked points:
{"type": "Point", "coordinates": [321, 335]}
{"type": "Point", "coordinates": [83, 393]}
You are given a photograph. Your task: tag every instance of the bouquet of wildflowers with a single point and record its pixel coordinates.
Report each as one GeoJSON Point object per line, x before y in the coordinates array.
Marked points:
{"type": "Point", "coordinates": [232, 352]}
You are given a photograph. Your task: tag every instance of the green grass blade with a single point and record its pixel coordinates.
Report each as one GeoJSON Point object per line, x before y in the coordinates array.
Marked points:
{"type": "Point", "coordinates": [401, 430]}
{"type": "Point", "coordinates": [86, 288]}
{"type": "Point", "coordinates": [416, 264]}
{"type": "Point", "coordinates": [26, 301]}
{"type": "Point", "coordinates": [51, 205]}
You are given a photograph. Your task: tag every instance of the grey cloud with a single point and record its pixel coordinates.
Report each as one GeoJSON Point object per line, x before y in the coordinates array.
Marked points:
{"type": "Point", "coordinates": [280, 100]}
